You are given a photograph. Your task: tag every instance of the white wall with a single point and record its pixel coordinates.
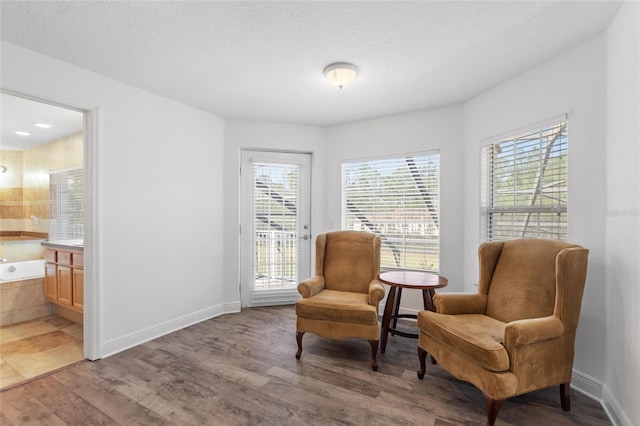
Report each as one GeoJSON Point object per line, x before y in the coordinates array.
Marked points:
{"type": "Point", "coordinates": [622, 369]}
{"type": "Point", "coordinates": [156, 251]}
{"type": "Point", "coordinates": [439, 128]}
{"type": "Point", "coordinates": [243, 135]}
{"type": "Point", "coordinates": [573, 83]}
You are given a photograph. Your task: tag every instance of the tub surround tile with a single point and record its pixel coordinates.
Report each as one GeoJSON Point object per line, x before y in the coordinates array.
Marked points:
{"type": "Point", "coordinates": [32, 312]}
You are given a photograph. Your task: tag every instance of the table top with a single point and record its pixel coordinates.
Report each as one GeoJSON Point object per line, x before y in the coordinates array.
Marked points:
{"type": "Point", "coordinates": [413, 279]}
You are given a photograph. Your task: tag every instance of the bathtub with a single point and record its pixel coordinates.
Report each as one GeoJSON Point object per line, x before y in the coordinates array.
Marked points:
{"type": "Point", "coordinates": [18, 271]}
{"type": "Point", "coordinates": [23, 296]}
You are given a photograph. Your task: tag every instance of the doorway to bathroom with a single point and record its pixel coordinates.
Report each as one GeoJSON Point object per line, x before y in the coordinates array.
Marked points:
{"type": "Point", "coordinates": [275, 230]}
{"type": "Point", "coordinates": [41, 212]}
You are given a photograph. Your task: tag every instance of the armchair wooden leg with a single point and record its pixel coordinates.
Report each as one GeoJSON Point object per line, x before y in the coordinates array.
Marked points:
{"type": "Point", "coordinates": [299, 335]}
{"type": "Point", "coordinates": [565, 396]}
{"type": "Point", "coordinates": [422, 356]}
{"type": "Point", "coordinates": [493, 407]}
{"type": "Point", "coordinates": [374, 354]}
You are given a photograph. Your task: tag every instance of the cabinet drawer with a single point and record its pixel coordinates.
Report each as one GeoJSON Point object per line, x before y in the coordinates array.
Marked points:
{"type": "Point", "coordinates": [77, 260]}
{"type": "Point", "coordinates": [50, 256]}
{"type": "Point", "coordinates": [64, 258]}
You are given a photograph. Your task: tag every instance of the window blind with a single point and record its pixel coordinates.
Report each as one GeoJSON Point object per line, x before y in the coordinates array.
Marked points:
{"type": "Point", "coordinates": [66, 220]}
{"type": "Point", "coordinates": [275, 206]}
{"type": "Point", "coordinates": [397, 199]}
{"type": "Point", "coordinates": [524, 180]}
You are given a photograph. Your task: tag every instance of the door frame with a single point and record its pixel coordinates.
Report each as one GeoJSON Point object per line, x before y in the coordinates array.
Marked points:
{"type": "Point", "coordinates": [91, 113]}
{"type": "Point", "coordinates": [271, 297]}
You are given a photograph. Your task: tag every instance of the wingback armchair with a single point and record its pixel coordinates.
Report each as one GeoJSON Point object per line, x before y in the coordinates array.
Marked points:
{"type": "Point", "coordinates": [516, 334]}
{"type": "Point", "coordinates": [341, 300]}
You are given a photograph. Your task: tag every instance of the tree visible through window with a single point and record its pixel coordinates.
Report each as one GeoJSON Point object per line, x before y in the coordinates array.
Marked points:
{"type": "Point", "coordinates": [524, 182]}
{"type": "Point", "coordinates": [398, 200]}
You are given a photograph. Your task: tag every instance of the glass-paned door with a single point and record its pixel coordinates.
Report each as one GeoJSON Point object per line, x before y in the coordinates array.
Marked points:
{"type": "Point", "coordinates": [275, 231]}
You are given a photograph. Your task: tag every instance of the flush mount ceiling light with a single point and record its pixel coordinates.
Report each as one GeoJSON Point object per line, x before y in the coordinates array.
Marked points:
{"type": "Point", "coordinates": [340, 73]}
{"type": "Point", "coordinates": [43, 125]}
{"type": "Point", "coordinates": [21, 133]}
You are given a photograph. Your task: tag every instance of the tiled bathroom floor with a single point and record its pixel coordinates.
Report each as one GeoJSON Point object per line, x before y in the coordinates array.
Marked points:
{"type": "Point", "coordinates": [31, 348]}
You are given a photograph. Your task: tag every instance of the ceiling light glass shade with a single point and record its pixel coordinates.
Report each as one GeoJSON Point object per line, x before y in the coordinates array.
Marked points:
{"type": "Point", "coordinates": [340, 73]}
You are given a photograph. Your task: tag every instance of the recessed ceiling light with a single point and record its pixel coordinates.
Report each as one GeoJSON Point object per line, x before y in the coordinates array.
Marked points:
{"type": "Point", "coordinates": [20, 133]}
{"type": "Point", "coordinates": [43, 125]}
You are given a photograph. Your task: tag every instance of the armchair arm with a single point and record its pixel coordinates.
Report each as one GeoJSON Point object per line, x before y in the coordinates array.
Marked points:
{"type": "Point", "coordinates": [311, 286]}
{"type": "Point", "coordinates": [532, 330]}
{"type": "Point", "coordinates": [460, 303]}
{"type": "Point", "coordinates": [376, 292]}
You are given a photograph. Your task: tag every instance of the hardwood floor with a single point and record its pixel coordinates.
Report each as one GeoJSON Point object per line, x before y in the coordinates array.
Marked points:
{"type": "Point", "coordinates": [240, 369]}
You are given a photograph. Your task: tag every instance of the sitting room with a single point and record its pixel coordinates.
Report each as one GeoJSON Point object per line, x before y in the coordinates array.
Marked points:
{"type": "Point", "coordinates": [420, 213]}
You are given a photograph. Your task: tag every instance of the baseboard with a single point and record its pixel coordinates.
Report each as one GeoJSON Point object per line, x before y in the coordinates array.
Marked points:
{"type": "Point", "coordinates": [587, 385]}
{"type": "Point", "coordinates": [134, 339]}
{"type": "Point", "coordinates": [613, 409]}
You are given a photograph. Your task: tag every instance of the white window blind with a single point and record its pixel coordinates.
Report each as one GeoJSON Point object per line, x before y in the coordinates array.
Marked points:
{"type": "Point", "coordinates": [398, 199]}
{"type": "Point", "coordinates": [524, 179]}
{"type": "Point", "coordinates": [67, 204]}
{"type": "Point", "coordinates": [275, 206]}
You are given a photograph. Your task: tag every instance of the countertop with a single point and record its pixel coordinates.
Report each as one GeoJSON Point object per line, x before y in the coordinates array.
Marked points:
{"type": "Point", "coordinates": [77, 245]}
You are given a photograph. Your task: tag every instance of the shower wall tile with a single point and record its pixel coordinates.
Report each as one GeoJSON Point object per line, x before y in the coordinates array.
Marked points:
{"type": "Point", "coordinates": [13, 161]}
{"type": "Point", "coordinates": [24, 189]}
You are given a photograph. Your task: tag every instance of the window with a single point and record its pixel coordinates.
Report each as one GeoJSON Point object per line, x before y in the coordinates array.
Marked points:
{"type": "Point", "coordinates": [524, 193]}
{"type": "Point", "coordinates": [67, 204]}
{"type": "Point", "coordinates": [398, 200]}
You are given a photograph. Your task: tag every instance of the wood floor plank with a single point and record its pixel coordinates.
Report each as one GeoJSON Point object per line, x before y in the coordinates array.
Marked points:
{"type": "Point", "coordinates": [240, 369]}
{"type": "Point", "coordinates": [19, 407]}
{"type": "Point", "coordinates": [115, 405]}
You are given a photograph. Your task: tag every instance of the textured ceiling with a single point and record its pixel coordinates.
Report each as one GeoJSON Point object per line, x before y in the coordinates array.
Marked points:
{"type": "Point", "coordinates": [264, 60]}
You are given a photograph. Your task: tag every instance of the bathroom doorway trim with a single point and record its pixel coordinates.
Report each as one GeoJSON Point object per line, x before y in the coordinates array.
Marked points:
{"type": "Point", "coordinates": [91, 113]}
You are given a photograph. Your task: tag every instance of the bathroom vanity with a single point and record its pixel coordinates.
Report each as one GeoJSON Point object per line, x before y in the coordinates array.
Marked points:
{"type": "Point", "coordinates": [64, 274]}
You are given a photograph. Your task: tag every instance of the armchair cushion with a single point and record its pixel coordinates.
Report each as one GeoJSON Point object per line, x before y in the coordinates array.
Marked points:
{"type": "Point", "coordinates": [476, 336]}
{"type": "Point", "coordinates": [340, 306]}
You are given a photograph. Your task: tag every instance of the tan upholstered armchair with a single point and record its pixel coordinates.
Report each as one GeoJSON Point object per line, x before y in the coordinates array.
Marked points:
{"type": "Point", "coordinates": [517, 333]}
{"type": "Point", "coordinates": [341, 300]}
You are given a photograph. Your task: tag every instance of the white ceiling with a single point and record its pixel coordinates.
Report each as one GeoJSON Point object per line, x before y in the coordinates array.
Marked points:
{"type": "Point", "coordinates": [19, 114]}
{"type": "Point", "coordinates": [264, 60]}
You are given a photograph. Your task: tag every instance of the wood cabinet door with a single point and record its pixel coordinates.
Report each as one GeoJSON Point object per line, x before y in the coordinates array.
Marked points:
{"type": "Point", "coordinates": [78, 289]}
{"type": "Point", "coordinates": [50, 282]}
{"type": "Point", "coordinates": [65, 287]}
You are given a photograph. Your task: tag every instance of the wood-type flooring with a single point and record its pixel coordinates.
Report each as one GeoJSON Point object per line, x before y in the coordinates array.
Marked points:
{"type": "Point", "coordinates": [240, 369]}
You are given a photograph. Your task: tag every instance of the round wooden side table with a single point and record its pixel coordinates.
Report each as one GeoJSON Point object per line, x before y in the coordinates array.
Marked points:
{"type": "Point", "coordinates": [397, 280]}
